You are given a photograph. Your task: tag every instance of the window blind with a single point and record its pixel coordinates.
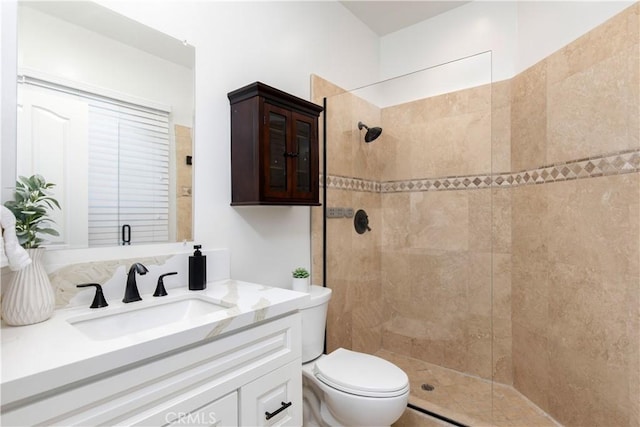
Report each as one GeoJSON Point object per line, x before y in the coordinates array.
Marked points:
{"type": "Point", "coordinates": [128, 173]}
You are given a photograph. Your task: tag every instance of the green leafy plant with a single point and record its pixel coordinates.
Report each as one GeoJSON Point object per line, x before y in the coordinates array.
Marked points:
{"type": "Point", "coordinates": [300, 273]}
{"type": "Point", "coordinates": [32, 202]}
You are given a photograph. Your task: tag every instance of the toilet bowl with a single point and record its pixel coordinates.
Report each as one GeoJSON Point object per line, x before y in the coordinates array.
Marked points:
{"type": "Point", "coordinates": [346, 388]}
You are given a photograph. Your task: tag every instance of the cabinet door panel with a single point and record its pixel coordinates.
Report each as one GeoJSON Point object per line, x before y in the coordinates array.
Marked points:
{"type": "Point", "coordinates": [303, 159]}
{"type": "Point", "coordinates": [305, 183]}
{"type": "Point", "coordinates": [277, 145]}
{"type": "Point", "coordinates": [277, 149]}
{"type": "Point", "coordinates": [274, 399]}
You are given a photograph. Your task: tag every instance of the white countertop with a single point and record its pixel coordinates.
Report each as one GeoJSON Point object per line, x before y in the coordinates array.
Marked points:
{"type": "Point", "coordinates": [51, 354]}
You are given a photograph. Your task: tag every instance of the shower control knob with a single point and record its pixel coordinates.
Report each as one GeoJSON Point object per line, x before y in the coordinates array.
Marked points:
{"type": "Point", "coordinates": [361, 222]}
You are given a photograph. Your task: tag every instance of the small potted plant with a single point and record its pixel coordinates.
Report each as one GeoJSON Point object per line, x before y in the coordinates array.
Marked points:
{"type": "Point", "coordinates": [300, 280]}
{"type": "Point", "coordinates": [30, 298]}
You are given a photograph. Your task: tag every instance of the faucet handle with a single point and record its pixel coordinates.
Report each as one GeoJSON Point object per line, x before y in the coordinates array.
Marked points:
{"type": "Point", "coordinates": [160, 290]}
{"type": "Point", "coordinates": [98, 299]}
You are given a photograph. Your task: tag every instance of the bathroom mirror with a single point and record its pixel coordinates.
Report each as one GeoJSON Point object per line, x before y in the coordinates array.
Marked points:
{"type": "Point", "coordinates": [105, 112]}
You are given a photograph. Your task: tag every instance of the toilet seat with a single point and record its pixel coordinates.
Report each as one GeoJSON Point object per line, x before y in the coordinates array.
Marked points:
{"type": "Point", "coordinates": [361, 374]}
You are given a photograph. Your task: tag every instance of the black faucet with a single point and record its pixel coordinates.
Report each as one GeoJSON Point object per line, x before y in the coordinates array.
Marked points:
{"type": "Point", "coordinates": [131, 292]}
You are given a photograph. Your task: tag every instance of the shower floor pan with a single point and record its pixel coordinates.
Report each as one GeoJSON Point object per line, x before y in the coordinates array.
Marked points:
{"type": "Point", "coordinates": [465, 398]}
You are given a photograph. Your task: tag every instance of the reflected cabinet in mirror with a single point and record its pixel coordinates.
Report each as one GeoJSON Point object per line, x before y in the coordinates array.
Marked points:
{"type": "Point", "coordinates": [105, 111]}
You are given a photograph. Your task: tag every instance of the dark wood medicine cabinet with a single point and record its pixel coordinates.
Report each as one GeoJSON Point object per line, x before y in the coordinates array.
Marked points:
{"type": "Point", "coordinates": [274, 147]}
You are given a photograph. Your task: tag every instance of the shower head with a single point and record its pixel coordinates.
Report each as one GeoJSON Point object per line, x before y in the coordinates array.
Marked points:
{"type": "Point", "coordinates": [372, 133]}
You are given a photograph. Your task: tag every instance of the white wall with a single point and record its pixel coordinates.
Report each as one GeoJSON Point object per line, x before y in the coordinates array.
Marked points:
{"type": "Point", "coordinates": [280, 44]}
{"type": "Point", "coordinates": [518, 34]}
{"type": "Point", "coordinates": [476, 27]}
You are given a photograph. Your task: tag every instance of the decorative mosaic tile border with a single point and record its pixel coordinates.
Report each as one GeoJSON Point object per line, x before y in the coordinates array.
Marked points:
{"type": "Point", "coordinates": [622, 162]}
{"type": "Point", "coordinates": [347, 183]}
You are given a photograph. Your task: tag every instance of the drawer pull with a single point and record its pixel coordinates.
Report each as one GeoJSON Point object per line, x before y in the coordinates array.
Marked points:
{"type": "Point", "coordinates": [269, 415]}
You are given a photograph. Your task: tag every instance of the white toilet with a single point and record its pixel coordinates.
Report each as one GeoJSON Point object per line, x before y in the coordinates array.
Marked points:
{"type": "Point", "coordinates": [345, 388]}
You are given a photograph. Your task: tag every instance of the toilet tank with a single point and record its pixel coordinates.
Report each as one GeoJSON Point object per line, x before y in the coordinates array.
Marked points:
{"type": "Point", "coordinates": [314, 319]}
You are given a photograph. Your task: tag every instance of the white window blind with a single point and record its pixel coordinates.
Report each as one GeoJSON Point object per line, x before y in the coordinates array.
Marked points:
{"type": "Point", "coordinates": [128, 173]}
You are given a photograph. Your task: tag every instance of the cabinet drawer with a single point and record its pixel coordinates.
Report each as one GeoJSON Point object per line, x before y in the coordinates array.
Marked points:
{"type": "Point", "coordinates": [176, 382]}
{"type": "Point", "coordinates": [274, 399]}
{"type": "Point", "coordinates": [221, 413]}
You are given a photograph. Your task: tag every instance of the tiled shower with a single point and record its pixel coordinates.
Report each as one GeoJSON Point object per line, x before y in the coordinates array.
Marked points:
{"type": "Point", "coordinates": [505, 242]}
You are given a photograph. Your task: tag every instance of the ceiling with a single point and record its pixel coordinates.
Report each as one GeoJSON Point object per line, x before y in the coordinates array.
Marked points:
{"type": "Point", "coordinates": [385, 17]}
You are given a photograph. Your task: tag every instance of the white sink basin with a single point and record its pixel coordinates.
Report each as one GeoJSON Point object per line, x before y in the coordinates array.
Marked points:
{"type": "Point", "coordinates": [140, 316]}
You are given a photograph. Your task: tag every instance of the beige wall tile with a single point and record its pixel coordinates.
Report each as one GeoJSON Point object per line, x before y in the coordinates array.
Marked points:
{"type": "Point", "coordinates": [501, 126]}
{"type": "Point", "coordinates": [501, 220]}
{"type": "Point", "coordinates": [184, 184]}
{"type": "Point", "coordinates": [441, 136]}
{"type": "Point", "coordinates": [588, 314]}
{"type": "Point", "coordinates": [593, 91]}
{"type": "Point", "coordinates": [501, 316]}
{"type": "Point", "coordinates": [339, 330]}
{"type": "Point", "coordinates": [367, 326]}
{"type": "Point", "coordinates": [588, 111]}
{"type": "Point", "coordinates": [395, 220]}
{"type": "Point", "coordinates": [428, 349]}
{"type": "Point", "coordinates": [365, 156]}
{"type": "Point", "coordinates": [530, 295]}
{"type": "Point", "coordinates": [317, 243]}
{"type": "Point", "coordinates": [479, 284]}
{"type": "Point", "coordinates": [479, 346]}
{"type": "Point", "coordinates": [592, 223]}
{"type": "Point", "coordinates": [339, 134]}
{"type": "Point", "coordinates": [529, 118]}
{"type": "Point", "coordinates": [583, 392]}
{"type": "Point", "coordinates": [480, 220]}
{"type": "Point", "coordinates": [439, 220]}
{"type": "Point", "coordinates": [528, 224]}
{"type": "Point", "coordinates": [615, 35]}
{"type": "Point", "coordinates": [457, 145]}
{"type": "Point", "coordinates": [531, 366]}
{"type": "Point", "coordinates": [396, 342]}
{"type": "Point", "coordinates": [396, 274]}
{"type": "Point", "coordinates": [397, 128]}
{"type": "Point", "coordinates": [502, 319]}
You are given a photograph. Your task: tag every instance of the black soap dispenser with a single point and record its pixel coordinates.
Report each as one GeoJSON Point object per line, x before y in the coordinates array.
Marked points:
{"type": "Point", "coordinates": [197, 270]}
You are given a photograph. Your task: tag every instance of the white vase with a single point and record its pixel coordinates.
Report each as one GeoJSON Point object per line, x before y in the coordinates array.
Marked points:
{"type": "Point", "coordinates": [29, 298]}
{"type": "Point", "coordinates": [300, 285]}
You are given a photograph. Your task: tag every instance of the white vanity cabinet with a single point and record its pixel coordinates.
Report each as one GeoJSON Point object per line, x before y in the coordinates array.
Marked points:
{"type": "Point", "coordinates": [234, 380]}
